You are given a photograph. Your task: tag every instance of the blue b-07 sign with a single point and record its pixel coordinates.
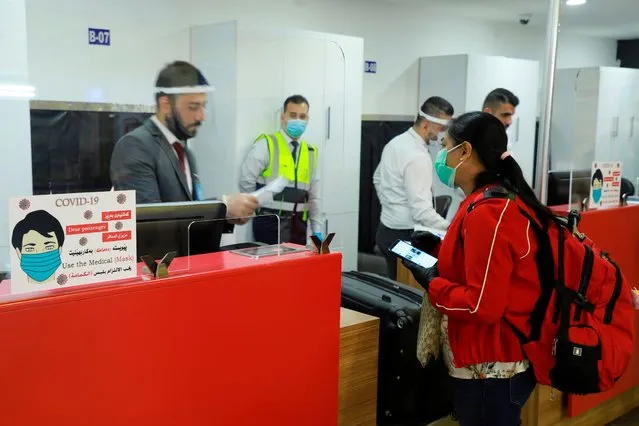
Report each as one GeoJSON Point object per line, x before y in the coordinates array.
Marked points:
{"type": "Point", "coordinates": [99, 37]}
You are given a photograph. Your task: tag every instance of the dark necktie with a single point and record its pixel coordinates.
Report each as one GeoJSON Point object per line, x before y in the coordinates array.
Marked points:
{"type": "Point", "coordinates": [179, 149]}
{"type": "Point", "coordinates": [294, 153]}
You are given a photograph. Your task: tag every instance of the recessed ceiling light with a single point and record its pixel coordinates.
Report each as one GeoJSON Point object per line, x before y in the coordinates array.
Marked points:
{"type": "Point", "coordinates": [575, 2]}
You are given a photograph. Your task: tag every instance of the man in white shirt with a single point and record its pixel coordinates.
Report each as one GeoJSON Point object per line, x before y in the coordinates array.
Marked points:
{"type": "Point", "coordinates": [404, 179]}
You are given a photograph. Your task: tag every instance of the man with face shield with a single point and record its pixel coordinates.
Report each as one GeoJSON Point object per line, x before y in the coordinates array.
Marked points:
{"type": "Point", "coordinates": [284, 154]}
{"type": "Point", "coordinates": [404, 179]}
{"type": "Point", "coordinates": [154, 159]}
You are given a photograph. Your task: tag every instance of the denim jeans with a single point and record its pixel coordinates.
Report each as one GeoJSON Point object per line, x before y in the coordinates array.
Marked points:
{"type": "Point", "coordinates": [492, 402]}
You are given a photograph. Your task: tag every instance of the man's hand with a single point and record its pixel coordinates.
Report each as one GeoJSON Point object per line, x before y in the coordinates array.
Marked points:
{"type": "Point", "coordinates": [425, 241]}
{"type": "Point", "coordinates": [240, 205]}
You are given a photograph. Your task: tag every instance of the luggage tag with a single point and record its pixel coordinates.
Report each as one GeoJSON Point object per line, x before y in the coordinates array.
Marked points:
{"type": "Point", "coordinates": [322, 247]}
{"type": "Point", "coordinates": [158, 269]}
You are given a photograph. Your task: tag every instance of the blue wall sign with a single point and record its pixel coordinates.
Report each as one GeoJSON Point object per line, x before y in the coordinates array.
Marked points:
{"type": "Point", "coordinates": [370, 67]}
{"type": "Point", "coordinates": [99, 37]}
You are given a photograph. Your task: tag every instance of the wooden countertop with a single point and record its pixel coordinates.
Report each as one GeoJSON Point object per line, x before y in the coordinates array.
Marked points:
{"type": "Point", "coordinates": [358, 358]}
{"type": "Point", "coordinates": [349, 318]}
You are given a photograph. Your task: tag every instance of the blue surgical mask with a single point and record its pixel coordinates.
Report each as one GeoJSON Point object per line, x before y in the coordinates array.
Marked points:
{"type": "Point", "coordinates": [596, 195]}
{"type": "Point", "coordinates": [295, 128]}
{"type": "Point", "coordinates": [445, 173]}
{"type": "Point", "coordinates": [39, 267]}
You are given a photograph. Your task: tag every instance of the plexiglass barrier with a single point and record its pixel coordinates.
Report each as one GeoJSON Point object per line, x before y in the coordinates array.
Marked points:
{"type": "Point", "coordinates": [345, 239]}
{"type": "Point", "coordinates": [168, 250]}
{"type": "Point", "coordinates": [602, 185]}
{"type": "Point", "coordinates": [594, 149]}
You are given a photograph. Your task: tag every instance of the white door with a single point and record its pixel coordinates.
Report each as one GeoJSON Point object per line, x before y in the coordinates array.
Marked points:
{"type": "Point", "coordinates": [610, 126]}
{"type": "Point", "coordinates": [486, 73]}
{"type": "Point", "coordinates": [624, 148]}
{"type": "Point", "coordinates": [340, 162]}
{"type": "Point", "coordinates": [633, 108]}
{"type": "Point", "coordinates": [338, 169]}
{"type": "Point", "coordinates": [260, 83]}
{"type": "Point", "coordinates": [303, 61]}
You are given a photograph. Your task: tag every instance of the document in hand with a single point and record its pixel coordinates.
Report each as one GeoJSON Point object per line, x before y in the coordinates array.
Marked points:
{"type": "Point", "coordinates": [265, 194]}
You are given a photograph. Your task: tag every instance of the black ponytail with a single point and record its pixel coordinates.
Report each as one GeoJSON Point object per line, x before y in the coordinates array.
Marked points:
{"type": "Point", "coordinates": [513, 179]}
{"type": "Point", "coordinates": [487, 135]}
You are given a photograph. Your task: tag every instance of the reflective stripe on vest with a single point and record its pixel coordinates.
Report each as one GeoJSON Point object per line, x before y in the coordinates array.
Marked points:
{"type": "Point", "coordinates": [281, 164]}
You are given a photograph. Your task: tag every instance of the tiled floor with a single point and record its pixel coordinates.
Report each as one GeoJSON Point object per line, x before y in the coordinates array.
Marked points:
{"type": "Point", "coordinates": [630, 419]}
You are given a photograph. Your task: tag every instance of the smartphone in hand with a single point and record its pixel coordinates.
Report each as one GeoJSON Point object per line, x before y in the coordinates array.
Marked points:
{"type": "Point", "coordinates": [407, 252]}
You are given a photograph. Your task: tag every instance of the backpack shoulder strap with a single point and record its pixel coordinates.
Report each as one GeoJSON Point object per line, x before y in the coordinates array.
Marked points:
{"type": "Point", "coordinates": [543, 258]}
{"type": "Point", "coordinates": [489, 193]}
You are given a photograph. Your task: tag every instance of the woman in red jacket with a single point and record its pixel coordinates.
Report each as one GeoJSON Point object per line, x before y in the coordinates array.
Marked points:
{"type": "Point", "coordinates": [486, 278]}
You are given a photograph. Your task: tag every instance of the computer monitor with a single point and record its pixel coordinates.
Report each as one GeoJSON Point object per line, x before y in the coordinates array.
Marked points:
{"type": "Point", "coordinates": [559, 187]}
{"type": "Point", "coordinates": [165, 227]}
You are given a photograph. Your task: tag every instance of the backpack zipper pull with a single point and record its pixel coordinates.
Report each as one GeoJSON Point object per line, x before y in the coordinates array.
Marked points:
{"type": "Point", "coordinates": [554, 347]}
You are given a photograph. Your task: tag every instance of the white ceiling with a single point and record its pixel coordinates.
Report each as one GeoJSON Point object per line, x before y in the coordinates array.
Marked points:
{"type": "Point", "coordinates": [605, 18]}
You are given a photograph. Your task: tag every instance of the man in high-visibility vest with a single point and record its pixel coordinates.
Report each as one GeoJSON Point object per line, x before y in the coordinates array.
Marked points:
{"type": "Point", "coordinates": [285, 154]}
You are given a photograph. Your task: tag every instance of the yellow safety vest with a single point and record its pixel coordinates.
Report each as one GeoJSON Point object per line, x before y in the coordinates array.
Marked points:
{"type": "Point", "coordinates": [281, 163]}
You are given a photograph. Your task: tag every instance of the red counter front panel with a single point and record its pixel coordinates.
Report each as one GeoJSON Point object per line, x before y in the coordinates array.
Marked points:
{"type": "Point", "coordinates": [247, 343]}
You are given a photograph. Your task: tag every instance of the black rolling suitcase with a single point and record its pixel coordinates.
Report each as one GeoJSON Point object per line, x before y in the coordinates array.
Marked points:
{"type": "Point", "coordinates": [407, 394]}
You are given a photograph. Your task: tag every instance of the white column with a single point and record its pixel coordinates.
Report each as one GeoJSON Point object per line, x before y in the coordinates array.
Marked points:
{"type": "Point", "coordinates": [15, 132]}
{"type": "Point", "coordinates": [552, 36]}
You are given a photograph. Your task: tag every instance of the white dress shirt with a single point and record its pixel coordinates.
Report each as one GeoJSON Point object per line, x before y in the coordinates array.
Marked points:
{"type": "Point", "coordinates": [403, 181]}
{"type": "Point", "coordinates": [171, 138]}
{"type": "Point", "coordinates": [257, 161]}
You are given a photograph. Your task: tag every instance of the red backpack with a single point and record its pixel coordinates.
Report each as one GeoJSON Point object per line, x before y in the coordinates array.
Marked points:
{"type": "Point", "coordinates": [581, 332]}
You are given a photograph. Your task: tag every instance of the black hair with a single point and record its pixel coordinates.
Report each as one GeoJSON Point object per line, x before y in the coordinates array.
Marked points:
{"type": "Point", "coordinates": [597, 176]}
{"type": "Point", "coordinates": [178, 74]}
{"type": "Point", "coordinates": [297, 100]}
{"type": "Point", "coordinates": [500, 96]}
{"type": "Point", "coordinates": [435, 106]}
{"type": "Point", "coordinates": [43, 222]}
{"type": "Point", "coordinates": [487, 135]}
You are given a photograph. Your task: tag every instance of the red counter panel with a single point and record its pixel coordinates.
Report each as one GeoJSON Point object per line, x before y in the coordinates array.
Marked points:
{"type": "Point", "coordinates": [617, 232]}
{"type": "Point", "coordinates": [234, 341]}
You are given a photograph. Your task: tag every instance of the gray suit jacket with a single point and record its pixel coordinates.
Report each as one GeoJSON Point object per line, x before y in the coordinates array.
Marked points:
{"type": "Point", "coordinates": [144, 161]}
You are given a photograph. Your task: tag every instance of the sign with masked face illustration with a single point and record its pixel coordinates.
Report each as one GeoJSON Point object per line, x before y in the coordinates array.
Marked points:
{"type": "Point", "coordinates": [605, 185]}
{"type": "Point", "coordinates": [64, 240]}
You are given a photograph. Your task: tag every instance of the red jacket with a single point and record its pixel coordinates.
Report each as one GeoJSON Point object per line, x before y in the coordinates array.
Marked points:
{"type": "Point", "coordinates": [487, 275]}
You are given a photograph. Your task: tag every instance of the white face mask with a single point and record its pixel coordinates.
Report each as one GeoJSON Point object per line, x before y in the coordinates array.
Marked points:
{"type": "Point", "coordinates": [437, 141]}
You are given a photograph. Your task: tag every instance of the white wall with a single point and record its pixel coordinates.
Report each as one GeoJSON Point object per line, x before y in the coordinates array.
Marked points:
{"type": "Point", "coordinates": [146, 34]}
{"type": "Point", "coordinates": [63, 66]}
{"type": "Point", "coordinates": [14, 116]}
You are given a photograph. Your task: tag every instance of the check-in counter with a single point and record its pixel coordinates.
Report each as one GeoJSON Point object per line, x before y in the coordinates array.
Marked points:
{"type": "Point", "coordinates": [615, 231]}
{"type": "Point", "coordinates": [226, 339]}
{"type": "Point", "coordinates": [358, 358]}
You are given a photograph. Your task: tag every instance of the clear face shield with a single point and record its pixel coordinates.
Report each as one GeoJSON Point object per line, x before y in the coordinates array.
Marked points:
{"type": "Point", "coordinates": [174, 122]}
{"type": "Point", "coordinates": [438, 137]}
